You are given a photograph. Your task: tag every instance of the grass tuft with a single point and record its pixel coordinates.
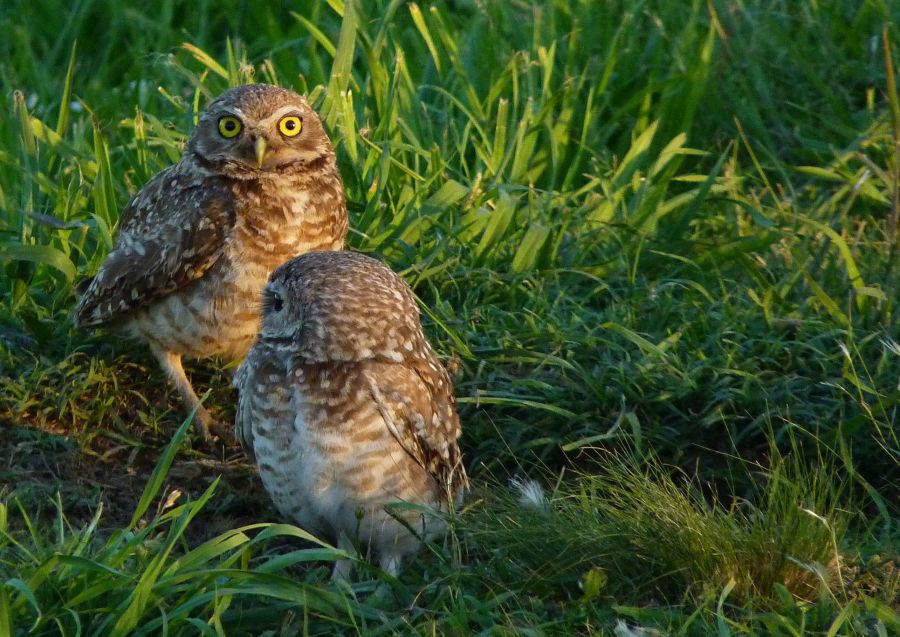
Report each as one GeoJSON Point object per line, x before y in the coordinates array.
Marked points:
{"type": "Point", "coordinates": [60, 579]}
{"type": "Point", "coordinates": [663, 533]}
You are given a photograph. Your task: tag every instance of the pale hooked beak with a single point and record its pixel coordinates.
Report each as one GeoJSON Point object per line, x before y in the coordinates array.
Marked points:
{"type": "Point", "coordinates": [259, 147]}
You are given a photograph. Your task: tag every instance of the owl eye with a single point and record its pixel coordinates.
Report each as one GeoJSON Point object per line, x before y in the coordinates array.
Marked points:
{"type": "Point", "coordinates": [290, 125]}
{"type": "Point", "coordinates": [273, 301]}
{"type": "Point", "coordinates": [229, 126]}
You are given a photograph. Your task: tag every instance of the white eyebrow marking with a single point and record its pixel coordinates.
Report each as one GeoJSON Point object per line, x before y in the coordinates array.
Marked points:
{"type": "Point", "coordinates": [281, 112]}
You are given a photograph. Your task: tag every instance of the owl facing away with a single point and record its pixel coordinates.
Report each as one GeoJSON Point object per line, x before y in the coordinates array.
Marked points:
{"type": "Point", "coordinates": [346, 408]}
{"type": "Point", "coordinates": [257, 185]}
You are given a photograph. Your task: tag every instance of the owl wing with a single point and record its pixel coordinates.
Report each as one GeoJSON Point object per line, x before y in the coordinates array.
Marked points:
{"type": "Point", "coordinates": [170, 234]}
{"type": "Point", "coordinates": [418, 406]}
{"type": "Point", "coordinates": [244, 379]}
{"type": "Point", "coordinates": [265, 399]}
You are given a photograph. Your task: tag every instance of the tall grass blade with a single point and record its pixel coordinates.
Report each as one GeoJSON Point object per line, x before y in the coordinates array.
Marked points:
{"type": "Point", "coordinates": [156, 479]}
{"type": "Point", "coordinates": [495, 231]}
{"type": "Point", "coordinates": [206, 60]}
{"type": "Point", "coordinates": [853, 273]}
{"type": "Point", "coordinates": [65, 100]}
{"type": "Point", "coordinates": [721, 625]}
{"type": "Point", "coordinates": [317, 34]}
{"type": "Point", "coordinates": [894, 102]}
{"type": "Point", "coordinates": [45, 255]}
{"type": "Point", "coordinates": [341, 69]}
{"type": "Point", "coordinates": [529, 251]}
{"type": "Point", "coordinates": [419, 21]}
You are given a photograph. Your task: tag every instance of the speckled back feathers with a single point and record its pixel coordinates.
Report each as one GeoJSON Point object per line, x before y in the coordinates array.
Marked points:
{"type": "Point", "coordinates": [342, 394]}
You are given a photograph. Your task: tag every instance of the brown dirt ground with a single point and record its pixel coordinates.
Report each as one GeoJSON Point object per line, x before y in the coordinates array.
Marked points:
{"type": "Point", "coordinates": [36, 465]}
{"type": "Point", "coordinates": [43, 454]}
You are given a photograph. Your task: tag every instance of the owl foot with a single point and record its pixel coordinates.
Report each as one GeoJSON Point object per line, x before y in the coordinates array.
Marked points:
{"type": "Point", "coordinates": [343, 568]}
{"type": "Point", "coordinates": [210, 429]}
{"type": "Point", "coordinates": [341, 572]}
{"type": "Point", "coordinates": [205, 424]}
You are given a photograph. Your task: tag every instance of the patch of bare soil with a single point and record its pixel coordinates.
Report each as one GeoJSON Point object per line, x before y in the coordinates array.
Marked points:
{"type": "Point", "coordinates": [89, 428]}
{"type": "Point", "coordinates": [39, 468]}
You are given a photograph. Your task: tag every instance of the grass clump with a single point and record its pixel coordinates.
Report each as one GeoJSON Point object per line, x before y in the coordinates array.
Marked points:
{"type": "Point", "coordinates": [144, 579]}
{"type": "Point", "coordinates": [634, 529]}
{"type": "Point", "coordinates": [660, 532]}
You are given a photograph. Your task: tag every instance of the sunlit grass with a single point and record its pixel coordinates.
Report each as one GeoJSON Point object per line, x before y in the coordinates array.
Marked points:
{"type": "Point", "coordinates": [663, 227]}
{"type": "Point", "coordinates": [662, 532]}
{"type": "Point", "coordinates": [141, 580]}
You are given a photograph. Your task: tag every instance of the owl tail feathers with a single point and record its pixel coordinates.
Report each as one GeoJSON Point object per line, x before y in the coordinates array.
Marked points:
{"type": "Point", "coordinates": [82, 286]}
{"type": "Point", "coordinates": [458, 479]}
{"type": "Point", "coordinates": [79, 316]}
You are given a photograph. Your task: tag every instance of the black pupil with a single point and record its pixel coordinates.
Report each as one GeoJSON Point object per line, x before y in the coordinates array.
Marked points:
{"type": "Point", "coordinates": [229, 125]}
{"type": "Point", "coordinates": [290, 124]}
{"type": "Point", "coordinates": [277, 303]}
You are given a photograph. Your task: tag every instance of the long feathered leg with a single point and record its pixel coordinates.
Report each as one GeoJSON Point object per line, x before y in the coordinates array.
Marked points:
{"type": "Point", "coordinates": [171, 363]}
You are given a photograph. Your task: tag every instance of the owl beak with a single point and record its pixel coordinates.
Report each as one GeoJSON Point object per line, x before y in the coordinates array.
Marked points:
{"type": "Point", "coordinates": [259, 148]}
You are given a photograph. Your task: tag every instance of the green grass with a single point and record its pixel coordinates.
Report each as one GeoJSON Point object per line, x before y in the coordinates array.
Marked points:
{"type": "Point", "coordinates": [660, 239]}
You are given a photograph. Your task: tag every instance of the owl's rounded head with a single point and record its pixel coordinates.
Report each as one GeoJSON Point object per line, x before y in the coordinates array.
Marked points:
{"type": "Point", "coordinates": [341, 306]}
{"type": "Point", "coordinates": [259, 128]}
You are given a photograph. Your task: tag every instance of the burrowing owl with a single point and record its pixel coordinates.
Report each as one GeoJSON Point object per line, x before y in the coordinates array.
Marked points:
{"type": "Point", "coordinates": [257, 185]}
{"type": "Point", "coordinates": [346, 408]}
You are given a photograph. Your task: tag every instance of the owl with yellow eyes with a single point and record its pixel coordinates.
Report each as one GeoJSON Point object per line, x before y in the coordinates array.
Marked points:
{"type": "Point", "coordinates": [257, 185]}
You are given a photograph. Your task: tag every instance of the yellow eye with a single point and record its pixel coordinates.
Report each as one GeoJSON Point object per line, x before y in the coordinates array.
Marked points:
{"type": "Point", "coordinates": [229, 126]}
{"type": "Point", "coordinates": [290, 125]}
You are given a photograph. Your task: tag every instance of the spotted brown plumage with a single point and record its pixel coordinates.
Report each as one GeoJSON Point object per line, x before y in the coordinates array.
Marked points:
{"type": "Point", "coordinates": [346, 408]}
{"type": "Point", "coordinates": [197, 243]}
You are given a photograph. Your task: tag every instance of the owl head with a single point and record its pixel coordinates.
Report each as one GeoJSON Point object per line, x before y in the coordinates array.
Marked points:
{"type": "Point", "coordinates": [341, 307]}
{"type": "Point", "coordinates": [259, 128]}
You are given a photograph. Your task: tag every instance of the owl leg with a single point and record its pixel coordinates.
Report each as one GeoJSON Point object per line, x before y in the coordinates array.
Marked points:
{"type": "Point", "coordinates": [390, 563]}
{"type": "Point", "coordinates": [343, 568]}
{"type": "Point", "coordinates": [171, 363]}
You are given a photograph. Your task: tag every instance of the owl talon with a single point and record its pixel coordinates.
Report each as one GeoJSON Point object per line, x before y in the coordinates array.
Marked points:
{"type": "Point", "coordinates": [218, 431]}
{"type": "Point", "coordinates": [202, 424]}
{"type": "Point", "coordinates": [210, 429]}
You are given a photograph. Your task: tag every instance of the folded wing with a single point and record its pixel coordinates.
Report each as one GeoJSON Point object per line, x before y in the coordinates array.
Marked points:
{"type": "Point", "coordinates": [170, 234]}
